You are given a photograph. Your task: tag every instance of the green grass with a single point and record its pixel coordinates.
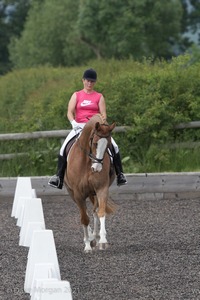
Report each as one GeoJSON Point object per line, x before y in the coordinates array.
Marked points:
{"type": "Point", "coordinates": [178, 160]}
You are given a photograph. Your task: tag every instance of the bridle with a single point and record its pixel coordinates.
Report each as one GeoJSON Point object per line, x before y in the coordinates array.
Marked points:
{"type": "Point", "coordinates": [89, 153]}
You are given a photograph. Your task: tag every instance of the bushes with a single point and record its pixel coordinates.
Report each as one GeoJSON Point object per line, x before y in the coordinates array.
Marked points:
{"type": "Point", "coordinates": [150, 98]}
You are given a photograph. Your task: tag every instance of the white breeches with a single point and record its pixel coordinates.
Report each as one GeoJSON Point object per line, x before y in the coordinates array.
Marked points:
{"type": "Point", "coordinates": [74, 132]}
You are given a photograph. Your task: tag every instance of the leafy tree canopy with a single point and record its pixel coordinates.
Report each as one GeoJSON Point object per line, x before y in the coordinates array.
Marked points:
{"type": "Point", "coordinates": [67, 33]}
{"type": "Point", "coordinates": [49, 36]}
{"type": "Point", "coordinates": [12, 18]}
{"type": "Point", "coordinates": [123, 28]}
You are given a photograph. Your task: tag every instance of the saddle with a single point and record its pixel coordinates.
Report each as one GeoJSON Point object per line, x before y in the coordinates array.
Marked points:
{"type": "Point", "coordinates": [69, 144]}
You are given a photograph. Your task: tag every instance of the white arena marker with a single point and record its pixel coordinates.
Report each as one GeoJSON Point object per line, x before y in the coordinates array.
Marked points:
{"type": "Point", "coordinates": [37, 289]}
{"type": "Point", "coordinates": [42, 250]}
{"type": "Point", "coordinates": [22, 202]}
{"type": "Point", "coordinates": [27, 233]}
{"type": "Point", "coordinates": [42, 271]}
{"type": "Point", "coordinates": [34, 195]}
{"type": "Point", "coordinates": [50, 289]}
{"type": "Point", "coordinates": [33, 216]}
{"type": "Point", "coordinates": [23, 189]}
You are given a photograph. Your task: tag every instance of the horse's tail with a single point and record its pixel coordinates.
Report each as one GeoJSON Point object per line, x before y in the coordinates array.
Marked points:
{"type": "Point", "coordinates": [110, 206]}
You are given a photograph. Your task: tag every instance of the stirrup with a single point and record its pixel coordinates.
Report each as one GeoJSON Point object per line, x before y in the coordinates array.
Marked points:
{"type": "Point", "coordinates": [121, 179]}
{"type": "Point", "coordinates": [55, 182]}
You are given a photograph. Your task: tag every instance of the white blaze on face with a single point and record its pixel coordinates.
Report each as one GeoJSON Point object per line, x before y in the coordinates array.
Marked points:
{"type": "Point", "coordinates": [101, 148]}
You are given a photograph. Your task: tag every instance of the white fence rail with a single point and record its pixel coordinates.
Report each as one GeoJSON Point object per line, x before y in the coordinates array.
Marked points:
{"type": "Point", "coordinates": [64, 133]}
{"type": "Point", "coordinates": [44, 134]}
{"type": "Point", "coordinates": [37, 135]}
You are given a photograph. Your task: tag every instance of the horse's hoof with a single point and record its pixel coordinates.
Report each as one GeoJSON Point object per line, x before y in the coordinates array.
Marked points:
{"type": "Point", "coordinates": [88, 249]}
{"type": "Point", "coordinates": [93, 243]}
{"type": "Point", "coordinates": [103, 246]}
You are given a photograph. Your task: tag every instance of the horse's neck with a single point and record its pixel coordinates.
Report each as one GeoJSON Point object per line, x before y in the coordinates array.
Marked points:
{"type": "Point", "coordinates": [85, 135]}
{"type": "Point", "coordinates": [101, 118]}
{"type": "Point", "coordinates": [89, 127]}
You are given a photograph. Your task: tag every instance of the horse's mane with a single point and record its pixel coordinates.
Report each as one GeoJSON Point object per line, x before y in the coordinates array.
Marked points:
{"type": "Point", "coordinates": [96, 118]}
{"type": "Point", "coordinates": [89, 127]}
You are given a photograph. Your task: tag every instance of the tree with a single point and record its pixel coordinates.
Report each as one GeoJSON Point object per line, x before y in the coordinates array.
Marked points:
{"type": "Point", "coordinates": [70, 33]}
{"type": "Point", "coordinates": [64, 32]}
{"type": "Point", "coordinates": [194, 16]}
{"type": "Point", "coordinates": [12, 17]}
{"type": "Point", "coordinates": [4, 40]}
{"type": "Point", "coordinates": [49, 36]}
{"type": "Point", "coordinates": [190, 25]}
{"type": "Point", "coordinates": [130, 28]}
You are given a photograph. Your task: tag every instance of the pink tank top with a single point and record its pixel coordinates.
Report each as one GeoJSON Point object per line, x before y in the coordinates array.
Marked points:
{"type": "Point", "coordinates": [87, 105]}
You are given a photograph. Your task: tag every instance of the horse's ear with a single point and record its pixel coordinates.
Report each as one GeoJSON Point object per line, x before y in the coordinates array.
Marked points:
{"type": "Point", "coordinates": [112, 126]}
{"type": "Point", "coordinates": [97, 125]}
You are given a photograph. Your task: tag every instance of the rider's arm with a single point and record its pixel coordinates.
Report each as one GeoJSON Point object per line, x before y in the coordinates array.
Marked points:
{"type": "Point", "coordinates": [71, 108]}
{"type": "Point", "coordinates": [102, 106]}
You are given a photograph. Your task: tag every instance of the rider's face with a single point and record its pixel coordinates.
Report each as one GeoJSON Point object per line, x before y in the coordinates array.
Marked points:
{"type": "Point", "coordinates": [88, 84]}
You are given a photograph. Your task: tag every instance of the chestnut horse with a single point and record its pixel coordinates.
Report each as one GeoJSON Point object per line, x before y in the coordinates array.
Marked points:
{"type": "Point", "coordinates": [89, 174]}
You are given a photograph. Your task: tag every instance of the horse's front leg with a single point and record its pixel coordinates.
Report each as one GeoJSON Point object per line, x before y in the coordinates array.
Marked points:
{"type": "Point", "coordinates": [102, 241]}
{"type": "Point", "coordinates": [88, 234]}
{"type": "Point", "coordinates": [85, 223]}
{"type": "Point", "coordinates": [102, 218]}
{"type": "Point", "coordinates": [94, 237]}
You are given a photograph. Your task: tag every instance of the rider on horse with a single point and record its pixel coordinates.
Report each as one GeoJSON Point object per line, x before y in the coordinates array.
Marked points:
{"type": "Point", "coordinates": [82, 106]}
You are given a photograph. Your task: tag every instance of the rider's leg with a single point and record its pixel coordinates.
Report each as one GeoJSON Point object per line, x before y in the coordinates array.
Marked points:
{"type": "Point", "coordinates": [121, 179]}
{"type": "Point", "coordinates": [57, 180]}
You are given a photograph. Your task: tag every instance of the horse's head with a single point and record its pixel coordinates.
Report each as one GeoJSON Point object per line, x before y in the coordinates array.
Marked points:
{"type": "Point", "coordinates": [100, 139]}
{"type": "Point", "coordinates": [104, 130]}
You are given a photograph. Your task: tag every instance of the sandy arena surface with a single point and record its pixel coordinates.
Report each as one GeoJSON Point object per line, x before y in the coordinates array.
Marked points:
{"type": "Point", "coordinates": [154, 251]}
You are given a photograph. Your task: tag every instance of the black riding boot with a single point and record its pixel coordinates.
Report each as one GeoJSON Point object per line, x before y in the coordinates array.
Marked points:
{"type": "Point", "coordinates": [56, 181]}
{"type": "Point", "coordinates": [121, 179]}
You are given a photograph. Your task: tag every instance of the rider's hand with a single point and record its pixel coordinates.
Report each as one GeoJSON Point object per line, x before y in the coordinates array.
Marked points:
{"type": "Point", "coordinates": [75, 125]}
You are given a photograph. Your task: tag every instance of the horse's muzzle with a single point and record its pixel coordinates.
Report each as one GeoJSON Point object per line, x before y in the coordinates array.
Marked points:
{"type": "Point", "coordinates": [96, 167]}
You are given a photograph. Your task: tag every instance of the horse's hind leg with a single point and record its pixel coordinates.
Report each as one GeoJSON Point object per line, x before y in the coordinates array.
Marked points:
{"type": "Point", "coordinates": [96, 223]}
{"type": "Point", "coordinates": [95, 234]}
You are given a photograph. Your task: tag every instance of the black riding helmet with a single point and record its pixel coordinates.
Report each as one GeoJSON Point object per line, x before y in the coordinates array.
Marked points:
{"type": "Point", "coordinates": [90, 74]}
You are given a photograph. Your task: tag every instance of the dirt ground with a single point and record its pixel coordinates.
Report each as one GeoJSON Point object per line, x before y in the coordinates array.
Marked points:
{"type": "Point", "coordinates": [154, 250]}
